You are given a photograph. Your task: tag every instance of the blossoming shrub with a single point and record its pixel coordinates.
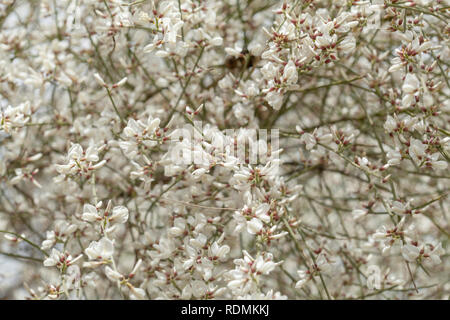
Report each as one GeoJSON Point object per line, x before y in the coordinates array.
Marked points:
{"type": "Point", "coordinates": [103, 103]}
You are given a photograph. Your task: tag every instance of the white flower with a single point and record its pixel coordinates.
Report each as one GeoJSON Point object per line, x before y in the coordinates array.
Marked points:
{"type": "Point", "coordinates": [304, 277]}
{"type": "Point", "coordinates": [434, 253]}
{"type": "Point", "coordinates": [172, 31]}
{"type": "Point", "coordinates": [410, 252]}
{"type": "Point", "coordinates": [120, 83]}
{"type": "Point", "coordinates": [358, 213]}
{"type": "Point", "coordinates": [159, 139]}
{"type": "Point", "coordinates": [236, 52]}
{"type": "Point", "coordinates": [90, 213]}
{"type": "Point", "coordinates": [309, 140]}
{"type": "Point", "coordinates": [254, 226]}
{"type": "Point", "coordinates": [374, 278]}
{"type": "Point", "coordinates": [100, 250]}
{"type": "Point", "coordinates": [119, 215]}
{"type": "Point", "coordinates": [394, 157]}
{"type": "Point", "coordinates": [15, 117]}
{"type": "Point", "coordinates": [54, 258]}
{"type": "Point", "coordinates": [275, 99]}
{"type": "Point", "coordinates": [348, 44]}
{"type": "Point", "coordinates": [199, 242]}
{"type": "Point", "coordinates": [290, 73]}
{"type": "Point", "coordinates": [437, 164]}
{"type": "Point", "coordinates": [137, 293]}
{"type": "Point", "coordinates": [264, 266]}
{"type": "Point", "coordinates": [243, 279]}
{"type": "Point", "coordinates": [199, 288]}
{"type": "Point", "coordinates": [179, 226]}
{"type": "Point", "coordinates": [81, 162]}
{"type": "Point", "coordinates": [428, 253]}
{"type": "Point", "coordinates": [60, 259]}
{"type": "Point", "coordinates": [410, 86]}
{"type": "Point", "coordinates": [198, 173]}
{"type": "Point", "coordinates": [99, 79]}
{"type": "Point", "coordinates": [390, 125]}
{"type": "Point", "coordinates": [216, 41]}
{"type": "Point", "coordinates": [61, 232]}
{"type": "Point", "coordinates": [112, 275]}
{"type": "Point", "coordinates": [219, 252]}
{"type": "Point", "coordinates": [417, 150]}
{"type": "Point", "coordinates": [401, 208]}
